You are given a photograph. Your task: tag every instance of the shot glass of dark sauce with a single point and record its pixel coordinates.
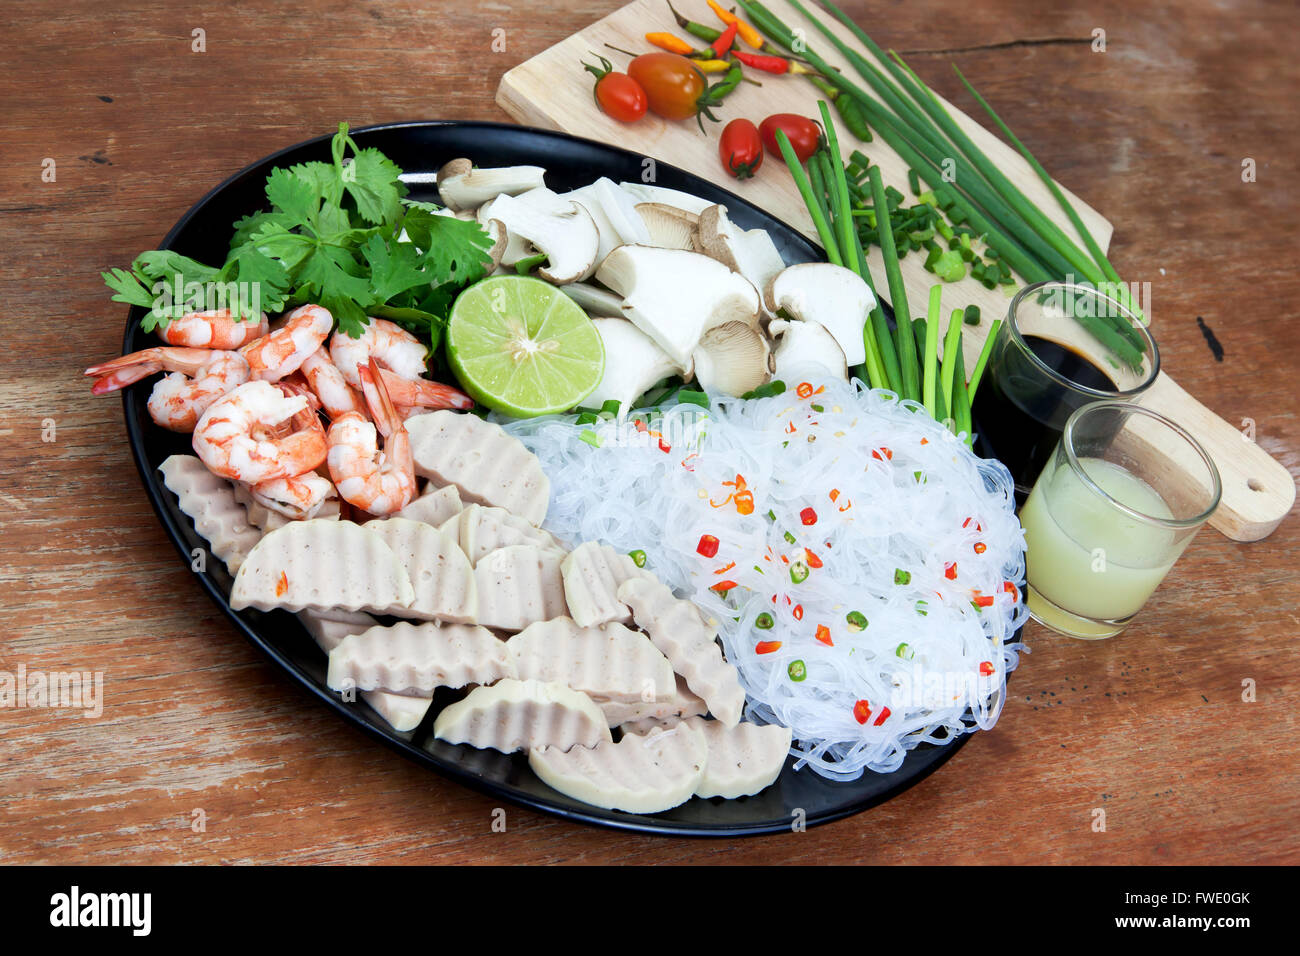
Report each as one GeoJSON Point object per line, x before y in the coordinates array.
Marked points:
{"type": "Point", "coordinates": [1061, 347]}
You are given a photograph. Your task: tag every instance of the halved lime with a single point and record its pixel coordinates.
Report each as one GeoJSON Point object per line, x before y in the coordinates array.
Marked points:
{"type": "Point", "coordinates": [522, 347]}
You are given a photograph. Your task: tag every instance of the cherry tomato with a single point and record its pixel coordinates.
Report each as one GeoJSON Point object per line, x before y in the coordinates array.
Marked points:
{"type": "Point", "coordinates": [740, 148]}
{"type": "Point", "coordinates": [621, 97]}
{"type": "Point", "coordinates": [617, 94]}
{"type": "Point", "coordinates": [802, 131]}
{"type": "Point", "coordinates": [672, 84]}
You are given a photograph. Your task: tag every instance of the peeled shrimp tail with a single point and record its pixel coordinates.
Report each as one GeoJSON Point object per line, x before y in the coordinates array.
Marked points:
{"type": "Point", "coordinates": [377, 482]}
{"type": "Point", "coordinates": [422, 393]}
{"type": "Point", "coordinates": [127, 369]}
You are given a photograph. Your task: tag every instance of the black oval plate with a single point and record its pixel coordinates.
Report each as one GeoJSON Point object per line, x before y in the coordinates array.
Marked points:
{"type": "Point", "coordinates": [422, 147]}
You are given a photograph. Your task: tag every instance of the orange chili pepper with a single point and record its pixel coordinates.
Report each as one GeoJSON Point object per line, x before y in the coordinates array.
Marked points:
{"type": "Point", "coordinates": [888, 454]}
{"type": "Point", "coordinates": [745, 502]}
{"type": "Point", "coordinates": [726, 568]}
{"type": "Point", "coordinates": [747, 33]}
{"type": "Point", "coordinates": [282, 585]}
{"type": "Point", "coordinates": [767, 647]}
{"type": "Point", "coordinates": [980, 547]}
{"type": "Point", "coordinates": [804, 390]}
{"type": "Point", "coordinates": [811, 559]}
{"type": "Point", "coordinates": [723, 586]}
{"type": "Point", "coordinates": [824, 635]}
{"type": "Point", "coordinates": [950, 570]}
{"type": "Point", "coordinates": [983, 600]}
{"type": "Point", "coordinates": [670, 42]}
{"type": "Point", "coordinates": [835, 493]}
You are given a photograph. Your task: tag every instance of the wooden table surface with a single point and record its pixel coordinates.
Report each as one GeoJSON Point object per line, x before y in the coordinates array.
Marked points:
{"type": "Point", "coordinates": [1148, 731]}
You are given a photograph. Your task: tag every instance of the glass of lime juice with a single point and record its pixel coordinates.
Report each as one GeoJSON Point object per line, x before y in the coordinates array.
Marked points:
{"type": "Point", "coordinates": [1123, 495]}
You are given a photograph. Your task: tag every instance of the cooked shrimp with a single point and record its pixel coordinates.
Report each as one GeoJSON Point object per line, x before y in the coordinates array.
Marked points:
{"type": "Point", "coordinates": [276, 354]}
{"type": "Point", "coordinates": [379, 482]}
{"type": "Point", "coordinates": [239, 438]}
{"type": "Point", "coordinates": [300, 497]}
{"type": "Point", "coordinates": [422, 393]}
{"type": "Point", "coordinates": [336, 396]}
{"type": "Point", "coordinates": [391, 345]}
{"type": "Point", "coordinates": [214, 329]}
{"type": "Point", "coordinates": [199, 377]}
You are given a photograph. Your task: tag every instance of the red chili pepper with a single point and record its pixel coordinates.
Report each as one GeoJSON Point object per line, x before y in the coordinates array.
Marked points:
{"type": "Point", "coordinates": [980, 547]}
{"type": "Point", "coordinates": [808, 516]}
{"type": "Point", "coordinates": [983, 600]}
{"type": "Point", "coordinates": [767, 647]}
{"type": "Point", "coordinates": [723, 43]}
{"type": "Point", "coordinates": [761, 61]}
{"type": "Point", "coordinates": [811, 559]}
{"type": "Point", "coordinates": [723, 586]}
{"type": "Point", "coordinates": [888, 454]}
{"type": "Point", "coordinates": [950, 570]}
{"type": "Point", "coordinates": [708, 545]}
{"type": "Point", "coordinates": [986, 669]}
{"type": "Point", "coordinates": [1012, 590]}
{"type": "Point", "coordinates": [797, 612]}
{"type": "Point", "coordinates": [884, 712]}
{"type": "Point", "coordinates": [804, 390]}
{"type": "Point", "coordinates": [966, 524]}
{"type": "Point", "coordinates": [824, 635]}
{"type": "Point", "coordinates": [862, 711]}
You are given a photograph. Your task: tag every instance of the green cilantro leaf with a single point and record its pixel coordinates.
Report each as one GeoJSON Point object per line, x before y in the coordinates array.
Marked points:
{"type": "Point", "coordinates": [394, 267]}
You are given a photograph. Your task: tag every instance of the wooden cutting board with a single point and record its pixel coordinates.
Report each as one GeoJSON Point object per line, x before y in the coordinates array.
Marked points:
{"type": "Point", "coordinates": [552, 91]}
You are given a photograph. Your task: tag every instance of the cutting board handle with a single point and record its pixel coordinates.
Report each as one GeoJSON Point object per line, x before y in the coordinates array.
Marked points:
{"type": "Point", "coordinates": [1258, 491]}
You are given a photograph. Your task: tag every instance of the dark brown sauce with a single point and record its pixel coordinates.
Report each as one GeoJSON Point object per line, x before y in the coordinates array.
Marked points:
{"type": "Point", "coordinates": [1018, 420]}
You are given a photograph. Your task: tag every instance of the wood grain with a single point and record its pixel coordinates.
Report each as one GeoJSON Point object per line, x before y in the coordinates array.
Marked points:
{"type": "Point", "coordinates": [1149, 727]}
{"type": "Point", "coordinates": [1257, 491]}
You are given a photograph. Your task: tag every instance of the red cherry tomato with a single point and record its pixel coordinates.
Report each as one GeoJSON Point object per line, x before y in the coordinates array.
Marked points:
{"type": "Point", "coordinates": [802, 131]}
{"type": "Point", "coordinates": [672, 84]}
{"type": "Point", "coordinates": [621, 97]}
{"type": "Point", "coordinates": [617, 94]}
{"type": "Point", "coordinates": [740, 148]}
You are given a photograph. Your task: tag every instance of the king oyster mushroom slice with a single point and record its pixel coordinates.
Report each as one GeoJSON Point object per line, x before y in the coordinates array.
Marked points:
{"type": "Point", "coordinates": [620, 208]}
{"type": "Point", "coordinates": [752, 252]}
{"type": "Point", "coordinates": [645, 192]}
{"type": "Point", "coordinates": [586, 197]}
{"type": "Point", "coordinates": [831, 296]}
{"type": "Point", "coordinates": [675, 296]}
{"type": "Point", "coordinates": [732, 358]}
{"type": "Point", "coordinates": [669, 227]}
{"type": "Point", "coordinates": [633, 363]}
{"type": "Point", "coordinates": [805, 343]}
{"type": "Point", "coordinates": [462, 187]}
{"type": "Point", "coordinates": [566, 234]}
{"type": "Point", "coordinates": [594, 300]}
{"type": "Point", "coordinates": [517, 247]}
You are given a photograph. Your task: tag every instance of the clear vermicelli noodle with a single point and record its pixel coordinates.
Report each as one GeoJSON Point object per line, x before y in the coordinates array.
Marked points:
{"type": "Point", "coordinates": [863, 566]}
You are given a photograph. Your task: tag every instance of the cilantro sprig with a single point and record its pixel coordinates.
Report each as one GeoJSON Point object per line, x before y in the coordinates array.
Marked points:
{"type": "Point", "coordinates": [341, 234]}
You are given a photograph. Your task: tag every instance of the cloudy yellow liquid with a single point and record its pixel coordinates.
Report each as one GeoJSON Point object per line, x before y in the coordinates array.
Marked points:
{"type": "Point", "coordinates": [1090, 560]}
